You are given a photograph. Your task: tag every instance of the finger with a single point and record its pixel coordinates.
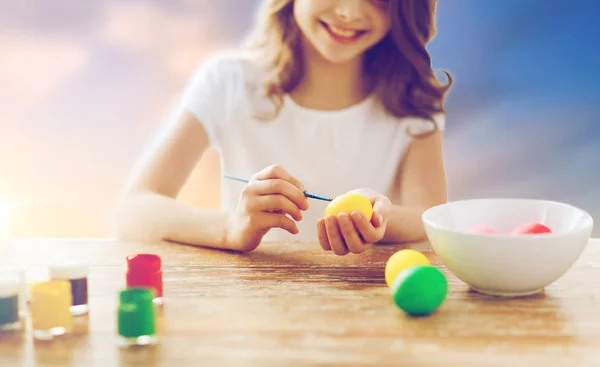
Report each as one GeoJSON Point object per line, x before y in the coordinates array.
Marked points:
{"type": "Point", "coordinates": [275, 204]}
{"type": "Point", "coordinates": [381, 210]}
{"type": "Point", "coordinates": [365, 228]}
{"type": "Point", "coordinates": [271, 220]}
{"type": "Point", "coordinates": [282, 187]}
{"type": "Point", "coordinates": [353, 241]}
{"type": "Point", "coordinates": [322, 235]}
{"type": "Point", "coordinates": [336, 241]}
{"type": "Point", "coordinates": [276, 171]}
{"type": "Point", "coordinates": [376, 220]}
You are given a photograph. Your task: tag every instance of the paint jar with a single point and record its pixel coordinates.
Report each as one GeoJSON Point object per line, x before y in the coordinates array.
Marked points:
{"type": "Point", "coordinates": [50, 309]}
{"type": "Point", "coordinates": [19, 273]}
{"type": "Point", "coordinates": [136, 317]}
{"type": "Point", "coordinates": [10, 289]}
{"type": "Point", "coordinates": [77, 275]}
{"type": "Point", "coordinates": [145, 271]}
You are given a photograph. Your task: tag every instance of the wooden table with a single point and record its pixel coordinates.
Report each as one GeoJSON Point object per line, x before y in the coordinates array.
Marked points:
{"type": "Point", "coordinates": [290, 304]}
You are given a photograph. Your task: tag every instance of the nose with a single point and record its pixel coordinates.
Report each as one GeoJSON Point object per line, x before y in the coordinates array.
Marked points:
{"type": "Point", "coordinates": [349, 10]}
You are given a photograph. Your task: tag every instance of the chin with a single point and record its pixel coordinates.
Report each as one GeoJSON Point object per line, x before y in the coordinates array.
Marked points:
{"type": "Point", "coordinates": [339, 57]}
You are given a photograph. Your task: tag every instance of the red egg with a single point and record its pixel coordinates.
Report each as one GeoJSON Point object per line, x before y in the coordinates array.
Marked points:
{"type": "Point", "coordinates": [530, 228]}
{"type": "Point", "coordinates": [481, 228]}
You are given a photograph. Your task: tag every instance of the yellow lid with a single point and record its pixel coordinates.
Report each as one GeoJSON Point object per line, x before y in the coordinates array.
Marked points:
{"type": "Point", "coordinates": [51, 305]}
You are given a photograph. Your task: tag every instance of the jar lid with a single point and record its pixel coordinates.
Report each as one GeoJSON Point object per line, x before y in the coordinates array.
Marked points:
{"type": "Point", "coordinates": [144, 263]}
{"type": "Point", "coordinates": [136, 312]}
{"type": "Point", "coordinates": [56, 289]}
{"type": "Point", "coordinates": [10, 284]}
{"type": "Point", "coordinates": [68, 270]}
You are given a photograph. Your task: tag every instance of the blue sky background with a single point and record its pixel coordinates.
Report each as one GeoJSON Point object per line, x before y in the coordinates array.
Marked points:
{"type": "Point", "coordinates": [89, 82]}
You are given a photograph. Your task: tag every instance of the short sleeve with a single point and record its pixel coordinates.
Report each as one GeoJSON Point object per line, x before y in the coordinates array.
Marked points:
{"type": "Point", "coordinates": [419, 126]}
{"type": "Point", "coordinates": [210, 96]}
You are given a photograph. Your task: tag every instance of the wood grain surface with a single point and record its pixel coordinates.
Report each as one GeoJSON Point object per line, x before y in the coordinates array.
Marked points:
{"type": "Point", "coordinates": [291, 304]}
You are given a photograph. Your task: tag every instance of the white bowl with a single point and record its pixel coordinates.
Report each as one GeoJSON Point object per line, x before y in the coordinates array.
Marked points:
{"type": "Point", "coordinates": [504, 264]}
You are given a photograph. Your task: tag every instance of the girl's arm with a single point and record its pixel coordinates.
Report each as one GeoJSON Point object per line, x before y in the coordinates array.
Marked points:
{"type": "Point", "coordinates": [149, 210]}
{"type": "Point", "coordinates": [420, 185]}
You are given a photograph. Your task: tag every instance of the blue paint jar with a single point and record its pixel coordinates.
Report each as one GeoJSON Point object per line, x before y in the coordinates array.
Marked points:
{"type": "Point", "coordinates": [77, 274]}
{"type": "Point", "coordinates": [11, 287]}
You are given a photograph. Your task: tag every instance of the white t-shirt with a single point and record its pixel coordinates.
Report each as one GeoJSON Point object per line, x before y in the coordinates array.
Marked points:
{"type": "Point", "coordinates": [330, 152]}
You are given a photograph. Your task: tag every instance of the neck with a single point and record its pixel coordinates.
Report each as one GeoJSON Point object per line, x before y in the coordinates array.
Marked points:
{"type": "Point", "coordinates": [329, 86]}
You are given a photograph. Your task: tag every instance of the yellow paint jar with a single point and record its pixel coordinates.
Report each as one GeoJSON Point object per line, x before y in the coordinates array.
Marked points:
{"type": "Point", "coordinates": [50, 309]}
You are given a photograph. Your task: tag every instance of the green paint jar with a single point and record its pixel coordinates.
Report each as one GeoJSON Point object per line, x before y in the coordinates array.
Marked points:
{"type": "Point", "coordinates": [136, 317]}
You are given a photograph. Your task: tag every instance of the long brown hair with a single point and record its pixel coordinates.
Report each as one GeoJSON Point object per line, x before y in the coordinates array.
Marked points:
{"type": "Point", "coordinates": [400, 64]}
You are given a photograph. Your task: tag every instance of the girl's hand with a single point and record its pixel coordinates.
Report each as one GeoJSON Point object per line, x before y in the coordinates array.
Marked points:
{"type": "Point", "coordinates": [266, 201]}
{"type": "Point", "coordinates": [354, 233]}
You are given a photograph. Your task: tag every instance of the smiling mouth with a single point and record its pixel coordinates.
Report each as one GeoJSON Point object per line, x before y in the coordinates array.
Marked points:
{"type": "Point", "coordinates": [343, 35]}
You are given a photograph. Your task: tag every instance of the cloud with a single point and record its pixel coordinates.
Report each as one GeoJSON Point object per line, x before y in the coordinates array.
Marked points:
{"type": "Point", "coordinates": [177, 41]}
{"type": "Point", "coordinates": [523, 150]}
{"type": "Point", "coordinates": [35, 66]}
{"type": "Point", "coordinates": [56, 16]}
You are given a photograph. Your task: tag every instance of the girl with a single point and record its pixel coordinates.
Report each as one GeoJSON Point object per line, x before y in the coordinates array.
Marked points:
{"type": "Point", "coordinates": [329, 96]}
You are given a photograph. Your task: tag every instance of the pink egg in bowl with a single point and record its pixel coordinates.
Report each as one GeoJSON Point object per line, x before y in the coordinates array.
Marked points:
{"type": "Point", "coordinates": [508, 247]}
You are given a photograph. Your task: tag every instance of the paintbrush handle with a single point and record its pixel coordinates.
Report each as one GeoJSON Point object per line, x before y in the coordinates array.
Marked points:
{"type": "Point", "coordinates": [236, 178]}
{"type": "Point", "coordinates": [306, 193]}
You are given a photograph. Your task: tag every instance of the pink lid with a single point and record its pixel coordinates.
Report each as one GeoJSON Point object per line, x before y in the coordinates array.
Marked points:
{"type": "Point", "coordinates": [146, 263]}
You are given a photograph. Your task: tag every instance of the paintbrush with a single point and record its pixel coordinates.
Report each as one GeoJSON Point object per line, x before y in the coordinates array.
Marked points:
{"type": "Point", "coordinates": [306, 193]}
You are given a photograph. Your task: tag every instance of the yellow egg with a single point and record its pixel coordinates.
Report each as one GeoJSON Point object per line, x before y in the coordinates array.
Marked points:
{"type": "Point", "coordinates": [348, 203]}
{"type": "Point", "coordinates": [402, 260]}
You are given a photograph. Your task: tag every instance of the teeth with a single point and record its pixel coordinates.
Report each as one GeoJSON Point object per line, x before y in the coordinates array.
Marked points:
{"type": "Point", "coordinates": [343, 32]}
